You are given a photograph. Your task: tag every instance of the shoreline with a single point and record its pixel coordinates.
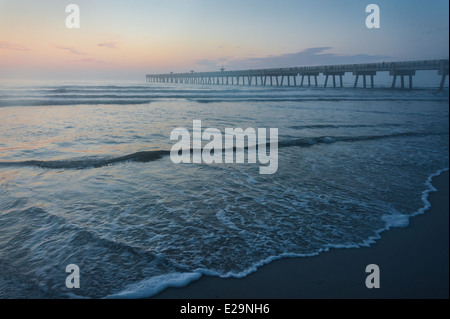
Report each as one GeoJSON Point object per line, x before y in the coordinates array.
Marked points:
{"type": "Point", "coordinates": [413, 262]}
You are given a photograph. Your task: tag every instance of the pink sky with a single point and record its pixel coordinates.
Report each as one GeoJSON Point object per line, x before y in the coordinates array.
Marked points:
{"type": "Point", "coordinates": [132, 38]}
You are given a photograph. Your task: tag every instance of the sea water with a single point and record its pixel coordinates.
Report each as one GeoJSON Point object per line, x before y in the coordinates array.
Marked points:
{"type": "Point", "coordinates": [85, 179]}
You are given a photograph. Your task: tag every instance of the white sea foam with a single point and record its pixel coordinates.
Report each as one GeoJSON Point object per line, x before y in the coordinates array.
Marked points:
{"type": "Point", "coordinates": [396, 220]}
{"type": "Point", "coordinates": [156, 284]}
{"type": "Point", "coordinates": [401, 220]}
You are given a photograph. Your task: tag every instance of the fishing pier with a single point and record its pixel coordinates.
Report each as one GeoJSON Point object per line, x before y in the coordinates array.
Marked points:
{"type": "Point", "coordinates": [402, 75]}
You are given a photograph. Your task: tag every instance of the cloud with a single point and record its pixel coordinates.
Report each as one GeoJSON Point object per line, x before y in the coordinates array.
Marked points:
{"type": "Point", "coordinates": [310, 56]}
{"type": "Point", "coordinates": [109, 45]}
{"type": "Point", "coordinates": [12, 47]}
{"type": "Point", "coordinates": [70, 50]}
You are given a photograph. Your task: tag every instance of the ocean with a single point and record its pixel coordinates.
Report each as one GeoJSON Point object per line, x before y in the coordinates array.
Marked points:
{"type": "Point", "coordinates": [86, 179]}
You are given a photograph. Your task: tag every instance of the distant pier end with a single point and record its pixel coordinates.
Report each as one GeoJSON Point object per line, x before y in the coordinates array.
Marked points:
{"type": "Point", "coordinates": [283, 76]}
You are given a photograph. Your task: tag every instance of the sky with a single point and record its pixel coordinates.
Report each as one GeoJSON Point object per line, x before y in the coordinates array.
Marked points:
{"type": "Point", "coordinates": [128, 39]}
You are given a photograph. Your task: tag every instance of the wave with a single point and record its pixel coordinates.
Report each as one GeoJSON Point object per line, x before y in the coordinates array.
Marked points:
{"type": "Point", "coordinates": [336, 126]}
{"type": "Point", "coordinates": [91, 162]}
{"type": "Point", "coordinates": [156, 284]}
{"type": "Point", "coordinates": [310, 141]}
{"type": "Point", "coordinates": [152, 286]}
{"type": "Point", "coordinates": [301, 99]}
{"type": "Point", "coordinates": [120, 95]}
{"type": "Point", "coordinates": [150, 156]}
{"type": "Point", "coordinates": [133, 100]}
{"type": "Point", "coordinates": [132, 90]}
{"type": "Point", "coordinates": [122, 101]}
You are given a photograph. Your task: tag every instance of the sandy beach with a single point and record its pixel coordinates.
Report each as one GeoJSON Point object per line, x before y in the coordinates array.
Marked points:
{"type": "Point", "coordinates": [413, 261]}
